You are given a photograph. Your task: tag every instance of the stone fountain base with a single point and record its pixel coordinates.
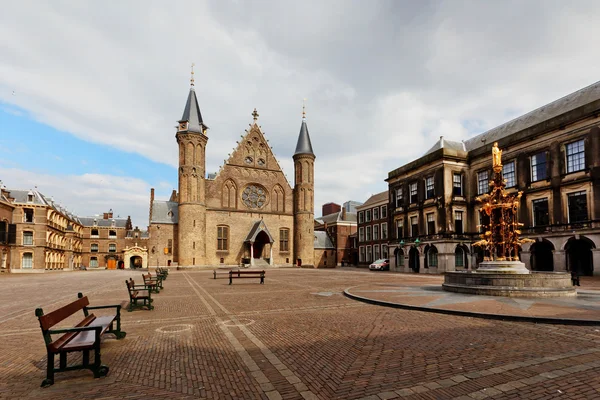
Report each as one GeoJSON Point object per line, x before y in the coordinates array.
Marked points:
{"type": "Point", "coordinates": [509, 278]}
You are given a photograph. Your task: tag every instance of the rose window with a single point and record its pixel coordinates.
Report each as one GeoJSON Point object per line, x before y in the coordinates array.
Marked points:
{"type": "Point", "coordinates": [254, 196]}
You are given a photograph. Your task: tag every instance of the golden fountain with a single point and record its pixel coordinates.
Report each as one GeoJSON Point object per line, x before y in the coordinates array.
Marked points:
{"type": "Point", "coordinates": [501, 273]}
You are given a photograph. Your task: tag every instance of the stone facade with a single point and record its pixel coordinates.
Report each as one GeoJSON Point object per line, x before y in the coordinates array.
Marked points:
{"type": "Point", "coordinates": [551, 154]}
{"type": "Point", "coordinates": [245, 213]}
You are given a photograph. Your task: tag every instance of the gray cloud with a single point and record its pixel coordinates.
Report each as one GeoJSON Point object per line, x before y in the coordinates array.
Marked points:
{"type": "Point", "coordinates": [383, 79]}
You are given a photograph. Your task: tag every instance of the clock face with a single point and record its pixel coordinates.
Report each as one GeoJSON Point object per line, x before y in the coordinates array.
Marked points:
{"type": "Point", "coordinates": [248, 160]}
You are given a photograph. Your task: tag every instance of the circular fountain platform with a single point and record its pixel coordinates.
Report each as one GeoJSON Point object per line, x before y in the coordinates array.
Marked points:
{"type": "Point", "coordinates": [504, 283]}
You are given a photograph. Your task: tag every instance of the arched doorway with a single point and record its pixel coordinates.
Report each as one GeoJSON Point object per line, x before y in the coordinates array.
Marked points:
{"type": "Point", "coordinates": [399, 254]}
{"type": "Point", "coordinates": [259, 244]}
{"type": "Point", "coordinates": [461, 261]}
{"type": "Point", "coordinates": [541, 256]}
{"type": "Point", "coordinates": [579, 256]}
{"type": "Point", "coordinates": [135, 262]}
{"type": "Point", "coordinates": [413, 259]}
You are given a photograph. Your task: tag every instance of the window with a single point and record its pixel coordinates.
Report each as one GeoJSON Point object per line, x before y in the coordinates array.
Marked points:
{"type": "Point", "coordinates": [413, 192]}
{"type": "Point", "coordinates": [384, 251]}
{"type": "Point", "coordinates": [368, 233]}
{"type": "Point", "coordinates": [222, 238]}
{"type": "Point", "coordinates": [368, 215]}
{"type": "Point", "coordinates": [575, 156]}
{"type": "Point", "coordinates": [399, 229]}
{"type": "Point", "coordinates": [482, 182]}
{"type": "Point", "coordinates": [414, 226]}
{"type": "Point", "coordinates": [538, 167]}
{"type": "Point", "coordinates": [384, 232]}
{"type": "Point", "coordinates": [94, 262]}
{"type": "Point", "coordinates": [94, 247]}
{"type": "Point", "coordinates": [375, 232]}
{"type": "Point", "coordinates": [30, 198]}
{"type": "Point", "coordinates": [284, 240]}
{"type": "Point", "coordinates": [430, 224]}
{"type": "Point", "coordinates": [369, 257]}
{"type": "Point", "coordinates": [112, 234]}
{"type": "Point", "coordinates": [361, 234]}
{"type": "Point", "coordinates": [383, 212]}
{"type": "Point", "coordinates": [429, 188]}
{"type": "Point", "coordinates": [375, 213]}
{"type": "Point", "coordinates": [432, 257]}
{"type": "Point", "coordinates": [170, 246]}
{"type": "Point", "coordinates": [457, 185]}
{"type": "Point", "coordinates": [400, 258]}
{"type": "Point", "coordinates": [578, 207]}
{"type": "Point", "coordinates": [361, 254]}
{"type": "Point", "coordinates": [399, 197]}
{"type": "Point", "coordinates": [508, 173]}
{"type": "Point", "coordinates": [541, 215]}
{"type": "Point", "coordinates": [376, 252]}
{"type": "Point", "coordinates": [27, 261]}
{"type": "Point", "coordinates": [361, 217]}
{"type": "Point", "coordinates": [459, 257]}
{"type": "Point", "coordinates": [112, 248]}
{"type": "Point", "coordinates": [28, 215]}
{"type": "Point", "coordinates": [94, 233]}
{"type": "Point", "coordinates": [27, 238]}
{"type": "Point", "coordinates": [458, 222]}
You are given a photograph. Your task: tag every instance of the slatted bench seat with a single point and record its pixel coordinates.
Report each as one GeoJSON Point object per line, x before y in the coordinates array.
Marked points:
{"type": "Point", "coordinates": [84, 336]}
{"type": "Point", "coordinates": [139, 296]}
{"type": "Point", "coordinates": [246, 274]}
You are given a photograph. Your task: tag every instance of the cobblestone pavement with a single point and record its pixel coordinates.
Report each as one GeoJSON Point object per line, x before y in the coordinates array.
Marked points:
{"type": "Point", "coordinates": [584, 307]}
{"type": "Point", "coordinates": [295, 337]}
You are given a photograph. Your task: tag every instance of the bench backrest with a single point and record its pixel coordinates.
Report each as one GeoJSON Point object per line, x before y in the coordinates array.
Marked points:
{"type": "Point", "coordinates": [49, 320]}
{"type": "Point", "coordinates": [130, 285]}
{"type": "Point", "coordinates": [238, 272]}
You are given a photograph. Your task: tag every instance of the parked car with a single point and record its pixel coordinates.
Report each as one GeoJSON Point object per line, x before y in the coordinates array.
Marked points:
{"type": "Point", "coordinates": [380, 265]}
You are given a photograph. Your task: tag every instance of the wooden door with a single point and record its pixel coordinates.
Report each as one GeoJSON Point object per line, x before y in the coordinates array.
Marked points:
{"type": "Point", "coordinates": [112, 263]}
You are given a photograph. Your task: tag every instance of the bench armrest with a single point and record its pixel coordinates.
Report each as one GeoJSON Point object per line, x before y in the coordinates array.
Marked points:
{"type": "Point", "coordinates": [100, 307]}
{"type": "Point", "coordinates": [77, 329]}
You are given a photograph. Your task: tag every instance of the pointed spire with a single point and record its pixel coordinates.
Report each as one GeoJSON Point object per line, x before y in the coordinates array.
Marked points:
{"type": "Point", "coordinates": [191, 113]}
{"type": "Point", "coordinates": [304, 146]}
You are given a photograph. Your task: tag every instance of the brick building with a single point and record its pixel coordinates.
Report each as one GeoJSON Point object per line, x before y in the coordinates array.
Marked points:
{"type": "Point", "coordinates": [373, 229]}
{"type": "Point", "coordinates": [339, 226]}
{"type": "Point", "coordinates": [551, 154]}
{"type": "Point", "coordinates": [247, 212]}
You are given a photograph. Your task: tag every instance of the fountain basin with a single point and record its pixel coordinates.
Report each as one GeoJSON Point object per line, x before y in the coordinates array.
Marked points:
{"type": "Point", "coordinates": [530, 284]}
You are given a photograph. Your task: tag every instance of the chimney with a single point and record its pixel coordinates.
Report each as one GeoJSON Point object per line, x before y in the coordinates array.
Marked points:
{"type": "Point", "coordinates": [151, 202]}
{"type": "Point", "coordinates": [105, 216]}
{"type": "Point", "coordinates": [110, 213]}
{"type": "Point", "coordinates": [442, 142]}
{"type": "Point", "coordinates": [173, 196]}
{"type": "Point", "coordinates": [344, 214]}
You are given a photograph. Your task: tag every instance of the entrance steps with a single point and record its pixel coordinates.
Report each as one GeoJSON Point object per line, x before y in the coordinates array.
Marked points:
{"type": "Point", "coordinates": [260, 263]}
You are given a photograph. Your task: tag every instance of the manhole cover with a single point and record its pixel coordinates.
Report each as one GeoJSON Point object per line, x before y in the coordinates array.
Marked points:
{"type": "Point", "coordinates": [239, 322]}
{"type": "Point", "coordinates": [174, 328]}
{"type": "Point", "coordinates": [326, 294]}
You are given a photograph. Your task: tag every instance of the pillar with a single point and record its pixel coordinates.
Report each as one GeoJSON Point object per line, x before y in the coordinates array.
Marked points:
{"type": "Point", "coordinates": [560, 261]}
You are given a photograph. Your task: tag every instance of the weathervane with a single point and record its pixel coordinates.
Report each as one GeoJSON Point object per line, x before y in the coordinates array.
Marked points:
{"type": "Point", "coordinates": [303, 108]}
{"type": "Point", "coordinates": [192, 78]}
{"type": "Point", "coordinates": [255, 115]}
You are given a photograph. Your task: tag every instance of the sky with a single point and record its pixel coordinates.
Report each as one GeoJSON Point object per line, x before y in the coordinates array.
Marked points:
{"type": "Point", "coordinates": [90, 92]}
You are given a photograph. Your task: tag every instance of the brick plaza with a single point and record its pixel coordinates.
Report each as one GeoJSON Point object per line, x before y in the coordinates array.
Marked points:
{"type": "Point", "coordinates": [295, 337]}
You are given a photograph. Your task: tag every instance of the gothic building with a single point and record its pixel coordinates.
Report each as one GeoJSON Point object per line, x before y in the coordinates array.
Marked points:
{"type": "Point", "coordinates": [246, 213]}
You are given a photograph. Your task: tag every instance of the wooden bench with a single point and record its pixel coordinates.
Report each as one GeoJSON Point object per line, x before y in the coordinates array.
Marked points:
{"type": "Point", "coordinates": [163, 273]}
{"type": "Point", "coordinates": [84, 336]}
{"type": "Point", "coordinates": [225, 274]}
{"type": "Point", "coordinates": [138, 293]}
{"type": "Point", "coordinates": [246, 274]}
{"type": "Point", "coordinates": [154, 283]}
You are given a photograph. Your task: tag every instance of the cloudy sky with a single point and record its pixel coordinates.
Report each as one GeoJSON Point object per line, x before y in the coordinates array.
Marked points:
{"type": "Point", "coordinates": [90, 92]}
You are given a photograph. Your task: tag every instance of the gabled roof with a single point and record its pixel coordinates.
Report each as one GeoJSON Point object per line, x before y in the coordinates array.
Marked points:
{"type": "Point", "coordinates": [563, 105]}
{"type": "Point", "coordinates": [304, 145]}
{"type": "Point", "coordinates": [165, 212]}
{"type": "Point", "coordinates": [446, 144]}
{"type": "Point", "coordinates": [192, 115]}
{"type": "Point", "coordinates": [322, 240]}
{"type": "Point", "coordinates": [21, 196]}
{"type": "Point", "coordinates": [376, 198]}
{"type": "Point", "coordinates": [259, 226]}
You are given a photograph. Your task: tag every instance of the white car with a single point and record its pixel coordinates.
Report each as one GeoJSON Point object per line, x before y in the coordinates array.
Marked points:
{"type": "Point", "coordinates": [380, 265]}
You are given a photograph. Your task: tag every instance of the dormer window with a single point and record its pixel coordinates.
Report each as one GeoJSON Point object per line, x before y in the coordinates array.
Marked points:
{"type": "Point", "coordinates": [30, 198]}
{"type": "Point", "coordinates": [94, 233]}
{"type": "Point", "coordinates": [95, 222]}
{"type": "Point", "coordinates": [112, 223]}
{"type": "Point", "coordinates": [183, 126]}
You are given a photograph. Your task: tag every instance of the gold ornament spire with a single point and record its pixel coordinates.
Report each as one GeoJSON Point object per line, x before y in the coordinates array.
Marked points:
{"type": "Point", "coordinates": [192, 78]}
{"type": "Point", "coordinates": [303, 108]}
{"type": "Point", "coordinates": [496, 157]}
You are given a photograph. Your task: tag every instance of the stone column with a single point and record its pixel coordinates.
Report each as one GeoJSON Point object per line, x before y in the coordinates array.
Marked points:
{"type": "Point", "coordinates": [596, 261]}
{"type": "Point", "coordinates": [560, 261]}
{"type": "Point", "coordinates": [422, 269]}
{"type": "Point", "coordinates": [526, 259]}
{"type": "Point", "coordinates": [251, 253]}
{"type": "Point", "coordinates": [271, 254]}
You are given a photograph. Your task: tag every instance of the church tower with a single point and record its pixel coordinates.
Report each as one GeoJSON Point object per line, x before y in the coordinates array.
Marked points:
{"type": "Point", "coordinates": [304, 210]}
{"type": "Point", "coordinates": [192, 139]}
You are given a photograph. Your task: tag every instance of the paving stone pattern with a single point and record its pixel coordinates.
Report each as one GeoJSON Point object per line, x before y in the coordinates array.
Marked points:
{"type": "Point", "coordinates": [295, 337]}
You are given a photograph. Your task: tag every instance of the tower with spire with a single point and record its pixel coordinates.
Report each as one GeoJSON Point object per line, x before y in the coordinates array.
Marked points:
{"type": "Point", "coordinates": [304, 185]}
{"type": "Point", "coordinates": [191, 139]}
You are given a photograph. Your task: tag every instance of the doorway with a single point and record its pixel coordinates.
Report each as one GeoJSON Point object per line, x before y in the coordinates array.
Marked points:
{"type": "Point", "coordinates": [413, 260]}
{"type": "Point", "coordinates": [135, 262]}
{"type": "Point", "coordinates": [579, 256]}
{"type": "Point", "coordinates": [541, 256]}
{"type": "Point", "coordinates": [259, 244]}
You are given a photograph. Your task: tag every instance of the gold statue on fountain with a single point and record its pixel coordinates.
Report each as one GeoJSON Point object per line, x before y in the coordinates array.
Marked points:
{"type": "Point", "coordinates": [501, 228]}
